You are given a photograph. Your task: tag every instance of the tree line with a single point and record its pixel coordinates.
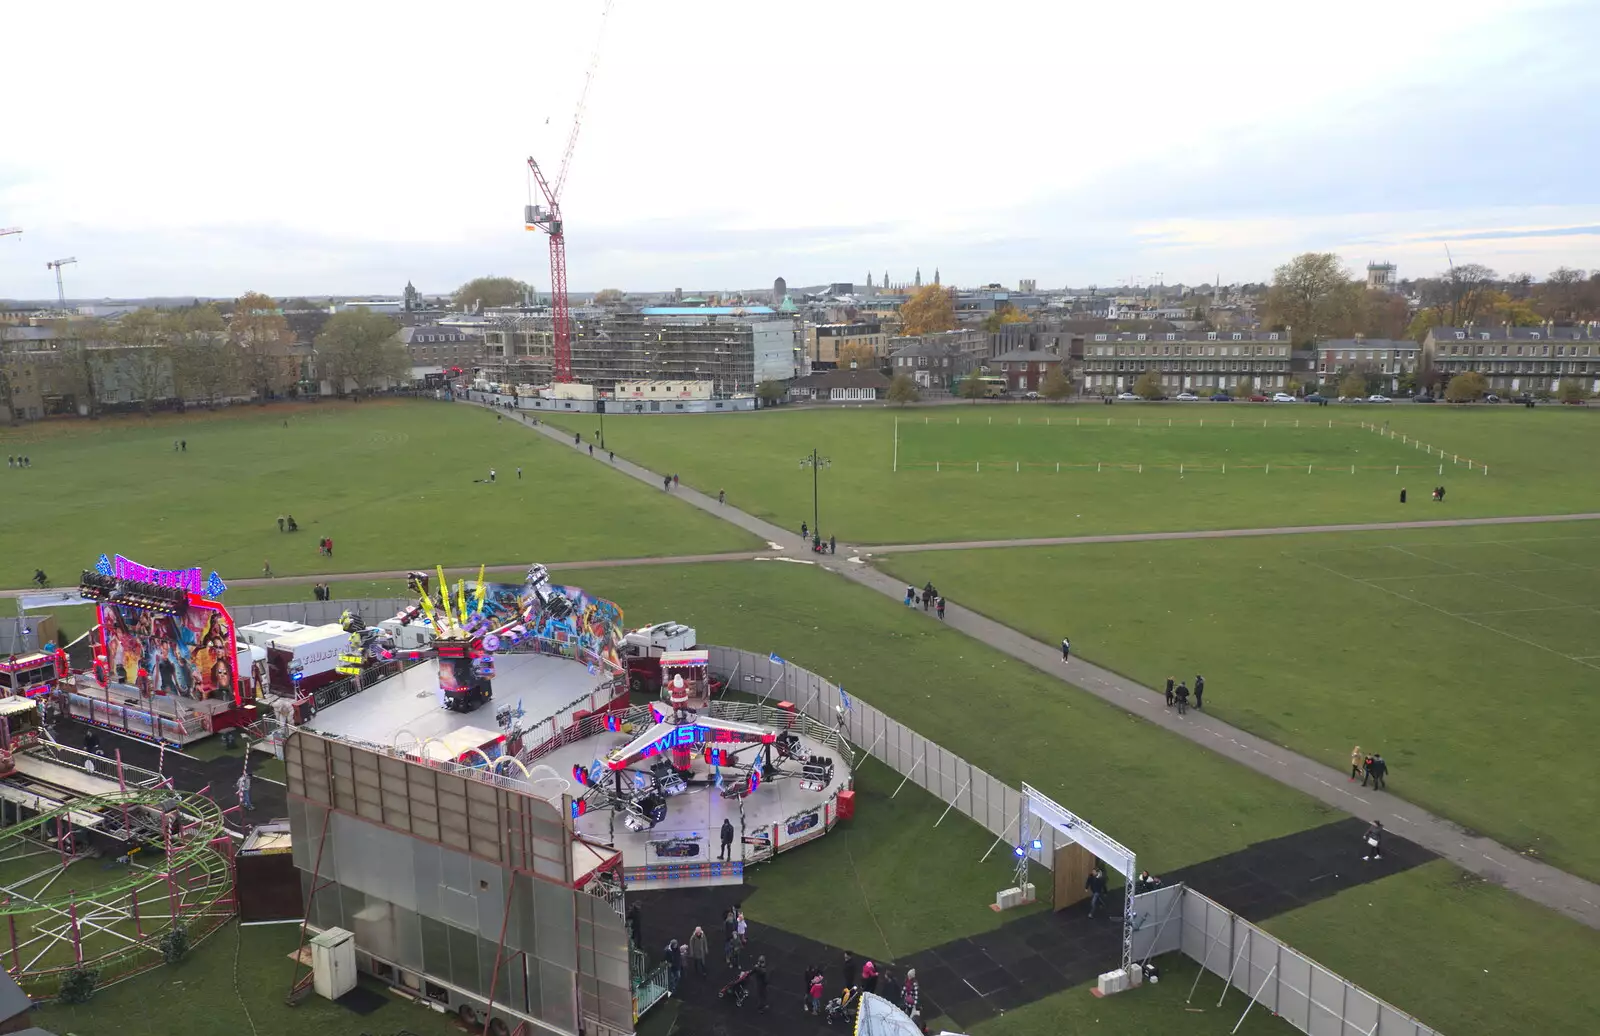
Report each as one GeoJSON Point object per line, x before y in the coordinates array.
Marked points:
{"type": "Point", "coordinates": [209, 353]}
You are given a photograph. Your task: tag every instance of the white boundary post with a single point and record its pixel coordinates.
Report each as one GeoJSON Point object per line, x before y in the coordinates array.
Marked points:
{"type": "Point", "coordinates": [896, 464]}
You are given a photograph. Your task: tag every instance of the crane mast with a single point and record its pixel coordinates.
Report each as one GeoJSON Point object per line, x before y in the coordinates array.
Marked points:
{"type": "Point", "coordinates": [61, 291]}
{"type": "Point", "coordinates": [547, 217]}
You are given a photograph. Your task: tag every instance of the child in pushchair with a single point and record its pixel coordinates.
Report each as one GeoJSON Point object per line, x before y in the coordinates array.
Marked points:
{"type": "Point", "coordinates": [841, 1010]}
{"type": "Point", "coordinates": [736, 990]}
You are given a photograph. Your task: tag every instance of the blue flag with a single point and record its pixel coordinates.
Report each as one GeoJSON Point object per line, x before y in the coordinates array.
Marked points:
{"type": "Point", "coordinates": [774, 657]}
{"type": "Point", "coordinates": [844, 700]}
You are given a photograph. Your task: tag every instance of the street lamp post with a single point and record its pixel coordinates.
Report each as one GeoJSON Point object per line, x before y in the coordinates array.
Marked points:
{"type": "Point", "coordinates": [815, 462]}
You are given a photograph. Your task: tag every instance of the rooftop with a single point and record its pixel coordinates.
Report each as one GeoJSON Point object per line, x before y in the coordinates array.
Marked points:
{"type": "Point", "coordinates": [707, 311]}
{"type": "Point", "coordinates": [1544, 332]}
{"type": "Point", "coordinates": [1029, 356]}
{"type": "Point", "coordinates": [845, 378]}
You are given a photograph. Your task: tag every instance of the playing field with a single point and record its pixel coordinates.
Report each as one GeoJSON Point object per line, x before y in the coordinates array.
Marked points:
{"type": "Point", "coordinates": [397, 484]}
{"type": "Point", "coordinates": [917, 475]}
{"type": "Point", "coordinates": [1467, 656]}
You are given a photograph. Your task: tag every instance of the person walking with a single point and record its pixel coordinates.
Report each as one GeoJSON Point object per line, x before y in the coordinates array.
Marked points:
{"type": "Point", "coordinates": [941, 609]}
{"type": "Point", "coordinates": [833, 545]}
{"type": "Point", "coordinates": [330, 546]}
{"type": "Point", "coordinates": [613, 456]}
{"type": "Point", "coordinates": [722, 496]}
{"type": "Point", "coordinates": [674, 966]}
{"type": "Point", "coordinates": [666, 483]}
{"type": "Point", "coordinates": [242, 786]}
{"type": "Point", "coordinates": [816, 989]}
{"type": "Point", "coordinates": [1355, 762]}
{"type": "Point", "coordinates": [1199, 691]}
{"type": "Point", "coordinates": [697, 950]}
{"type": "Point", "coordinates": [282, 523]}
{"type": "Point", "coordinates": [1380, 770]}
{"type": "Point", "coordinates": [1096, 887]}
{"type": "Point", "coordinates": [635, 927]}
{"type": "Point", "coordinates": [1372, 841]}
{"type": "Point", "coordinates": [1366, 770]}
{"type": "Point", "coordinates": [591, 449]}
{"type": "Point", "coordinates": [910, 994]}
{"type": "Point", "coordinates": [759, 973]}
{"type": "Point", "coordinates": [805, 531]}
{"type": "Point", "coordinates": [849, 966]}
{"type": "Point", "coordinates": [1182, 694]}
{"type": "Point", "coordinates": [519, 474]}
{"type": "Point", "coordinates": [911, 596]}
{"type": "Point", "coordinates": [491, 474]}
{"type": "Point", "coordinates": [1170, 698]}
{"type": "Point", "coordinates": [741, 927]}
{"type": "Point", "coordinates": [727, 840]}
{"type": "Point", "coordinates": [1066, 650]}
{"type": "Point", "coordinates": [184, 443]}
{"type": "Point", "coordinates": [266, 568]}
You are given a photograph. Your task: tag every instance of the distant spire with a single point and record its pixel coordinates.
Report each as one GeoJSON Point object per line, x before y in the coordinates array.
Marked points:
{"type": "Point", "coordinates": [919, 277]}
{"type": "Point", "coordinates": [936, 275]}
{"type": "Point", "coordinates": [869, 278]}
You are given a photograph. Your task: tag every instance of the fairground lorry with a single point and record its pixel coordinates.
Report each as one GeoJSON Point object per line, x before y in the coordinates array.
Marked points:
{"type": "Point", "coordinates": [655, 654]}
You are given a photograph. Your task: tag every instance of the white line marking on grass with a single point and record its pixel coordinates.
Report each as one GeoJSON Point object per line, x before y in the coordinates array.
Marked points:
{"type": "Point", "coordinates": [1518, 611]}
{"type": "Point", "coordinates": [1564, 563]}
{"type": "Point", "coordinates": [1441, 611]}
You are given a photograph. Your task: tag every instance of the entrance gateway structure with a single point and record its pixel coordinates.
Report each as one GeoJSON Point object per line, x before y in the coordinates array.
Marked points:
{"type": "Point", "coordinates": [1080, 833]}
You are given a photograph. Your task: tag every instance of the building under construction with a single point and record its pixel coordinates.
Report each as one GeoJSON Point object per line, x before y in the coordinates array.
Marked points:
{"type": "Point", "coordinates": [735, 348]}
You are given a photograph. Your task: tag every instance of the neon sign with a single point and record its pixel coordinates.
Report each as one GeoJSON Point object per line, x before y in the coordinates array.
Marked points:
{"type": "Point", "coordinates": [192, 580]}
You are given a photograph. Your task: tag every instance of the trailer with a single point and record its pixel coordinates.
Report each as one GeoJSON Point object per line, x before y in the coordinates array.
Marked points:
{"type": "Point", "coordinates": [300, 658]}
{"type": "Point", "coordinates": [666, 648]}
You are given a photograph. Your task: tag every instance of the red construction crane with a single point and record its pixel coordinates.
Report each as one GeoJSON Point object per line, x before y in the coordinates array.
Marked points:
{"type": "Point", "coordinates": [547, 217]}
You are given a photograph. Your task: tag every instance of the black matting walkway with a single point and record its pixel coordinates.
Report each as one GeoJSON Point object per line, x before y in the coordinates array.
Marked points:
{"type": "Point", "coordinates": [973, 979]}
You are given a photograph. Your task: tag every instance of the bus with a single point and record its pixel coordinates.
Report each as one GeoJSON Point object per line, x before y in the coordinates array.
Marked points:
{"type": "Point", "coordinates": [993, 387]}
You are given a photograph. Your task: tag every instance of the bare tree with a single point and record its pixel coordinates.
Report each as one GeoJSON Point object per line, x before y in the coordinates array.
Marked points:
{"type": "Point", "coordinates": [1564, 295]}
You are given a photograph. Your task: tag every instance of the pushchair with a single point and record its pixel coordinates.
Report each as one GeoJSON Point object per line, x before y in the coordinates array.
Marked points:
{"type": "Point", "coordinates": [737, 990]}
{"type": "Point", "coordinates": [841, 1010]}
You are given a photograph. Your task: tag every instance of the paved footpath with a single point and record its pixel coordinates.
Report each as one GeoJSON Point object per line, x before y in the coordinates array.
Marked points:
{"type": "Point", "coordinates": [1538, 881]}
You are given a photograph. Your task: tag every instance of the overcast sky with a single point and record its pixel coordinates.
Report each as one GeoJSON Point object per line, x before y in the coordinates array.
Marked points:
{"type": "Point", "coordinates": [342, 147]}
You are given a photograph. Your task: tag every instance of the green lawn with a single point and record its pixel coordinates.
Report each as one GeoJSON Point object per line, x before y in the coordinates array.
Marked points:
{"type": "Point", "coordinates": [1466, 656]}
{"type": "Point", "coordinates": [234, 982]}
{"type": "Point", "coordinates": [1463, 955]}
{"type": "Point", "coordinates": [394, 483]}
{"type": "Point", "coordinates": [888, 883]}
{"type": "Point", "coordinates": [1150, 1010]}
{"type": "Point", "coordinates": [1006, 717]}
{"type": "Point", "coordinates": [962, 482]}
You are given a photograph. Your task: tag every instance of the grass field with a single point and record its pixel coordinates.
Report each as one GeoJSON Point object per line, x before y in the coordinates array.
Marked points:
{"type": "Point", "coordinates": [234, 982]}
{"type": "Point", "coordinates": [1541, 461]}
{"type": "Point", "coordinates": [1467, 656]}
{"type": "Point", "coordinates": [394, 483]}
{"type": "Point", "coordinates": [1485, 961]}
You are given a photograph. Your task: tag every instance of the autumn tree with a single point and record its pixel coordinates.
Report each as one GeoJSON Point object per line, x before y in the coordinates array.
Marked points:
{"type": "Point", "coordinates": [771, 392]}
{"type": "Point", "coordinates": [903, 390]}
{"type": "Point", "coordinates": [858, 355]}
{"type": "Point", "coordinates": [1352, 384]}
{"type": "Point", "coordinates": [1384, 314]}
{"type": "Point", "coordinates": [1244, 388]}
{"type": "Point", "coordinates": [1570, 390]}
{"type": "Point", "coordinates": [1314, 297]}
{"type": "Point", "coordinates": [261, 334]}
{"type": "Point", "coordinates": [1464, 388]}
{"type": "Point", "coordinates": [489, 291]}
{"type": "Point", "coordinates": [608, 296]}
{"type": "Point", "coordinates": [929, 310]}
{"type": "Point", "coordinates": [1149, 385]}
{"type": "Point", "coordinates": [1004, 314]}
{"type": "Point", "coordinates": [205, 363]}
{"type": "Point", "coordinates": [71, 370]}
{"type": "Point", "coordinates": [1056, 384]}
{"type": "Point", "coordinates": [361, 348]}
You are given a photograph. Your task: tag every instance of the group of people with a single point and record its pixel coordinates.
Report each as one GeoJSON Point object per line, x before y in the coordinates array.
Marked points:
{"type": "Point", "coordinates": [322, 592]}
{"type": "Point", "coordinates": [931, 601]}
{"type": "Point", "coordinates": [180, 446]}
{"type": "Point", "coordinates": [1369, 768]}
{"type": "Point", "coordinates": [286, 523]}
{"type": "Point", "coordinates": [818, 544]}
{"type": "Point", "coordinates": [1179, 696]}
{"type": "Point", "coordinates": [667, 481]}
{"type": "Point", "coordinates": [19, 462]}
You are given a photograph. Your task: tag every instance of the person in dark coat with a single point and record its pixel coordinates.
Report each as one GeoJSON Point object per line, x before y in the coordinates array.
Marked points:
{"type": "Point", "coordinates": [1096, 887]}
{"type": "Point", "coordinates": [760, 975]}
{"type": "Point", "coordinates": [727, 840]}
{"type": "Point", "coordinates": [1169, 692]}
{"type": "Point", "coordinates": [1066, 650]}
{"type": "Point", "coordinates": [1379, 770]}
{"type": "Point", "coordinates": [1366, 770]}
{"type": "Point", "coordinates": [849, 966]}
{"type": "Point", "coordinates": [633, 926]}
{"type": "Point", "coordinates": [1182, 694]}
{"type": "Point", "coordinates": [1372, 841]}
{"type": "Point", "coordinates": [1199, 691]}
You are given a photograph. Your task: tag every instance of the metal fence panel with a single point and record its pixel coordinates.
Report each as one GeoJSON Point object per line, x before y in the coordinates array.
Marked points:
{"type": "Point", "coordinates": [1159, 925]}
{"type": "Point", "coordinates": [1327, 1003]}
{"type": "Point", "coordinates": [1261, 976]}
{"type": "Point", "coordinates": [1294, 988]}
{"type": "Point", "coordinates": [1361, 1010]}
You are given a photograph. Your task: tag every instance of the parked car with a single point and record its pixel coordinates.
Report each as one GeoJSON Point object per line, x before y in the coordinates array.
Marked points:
{"type": "Point", "coordinates": [1316, 397]}
{"type": "Point", "coordinates": [1283, 397]}
{"type": "Point", "coordinates": [1424, 398]}
{"type": "Point", "coordinates": [1222, 397]}
{"type": "Point", "coordinates": [1352, 399]}
{"type": "Point", "coordinates": [1491, 398]}
{"type": "Point", "coordinates": [1259, 398]}
{"type": "Point", "coordinates": [1030, 395]}
{"type": "Point", "coordinates": [1576, 402]}
{"type": "Point", "coordinates": [1377, 399]}
{"type": "Point", "coordinates": [1186, 397]}
{"type": "Point", "coordinates": [1129, 396]}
